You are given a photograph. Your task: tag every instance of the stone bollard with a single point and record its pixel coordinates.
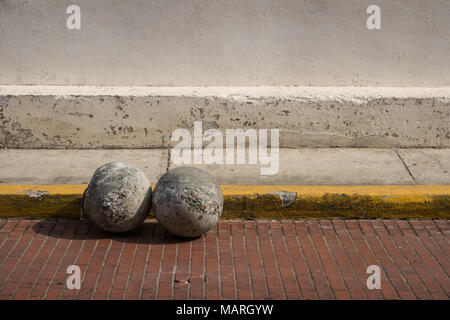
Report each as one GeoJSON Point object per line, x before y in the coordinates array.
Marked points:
{"type": "Point", "coordinates": [118, 197]}
{"type": "Point", "coordinates": [187, 201]}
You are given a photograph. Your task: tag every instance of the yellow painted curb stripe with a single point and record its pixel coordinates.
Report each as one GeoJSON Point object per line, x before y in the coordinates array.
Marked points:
{"type": "Point", "coordinates": [259, 189]}
{"type": "Point", "coordinates": [41, 201]}
{"type": "Point", "coordinates": [284, 201]}
{"type": "Point", "coordinates": [50, 189]}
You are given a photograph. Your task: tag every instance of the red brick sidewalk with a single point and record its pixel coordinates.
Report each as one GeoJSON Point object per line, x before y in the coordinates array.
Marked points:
{"type": "Point", "coordinates": [237, 260]}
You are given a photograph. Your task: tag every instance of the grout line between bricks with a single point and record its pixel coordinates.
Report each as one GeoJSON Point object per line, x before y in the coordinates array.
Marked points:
{"type": "Point", "coordinates": [18, 261]}
{"type": "Point", "coordinates": [101, 237]}
{"type": "Point", "coordinates": [204, 265]}
{"type": "Point", "coordinates": [219, 277]}
{"type": "Point", "coordinates": [355, 246]}
{"type": "Point", "coordinates": [261, 259]}
{"type": "Point", "coordinates": [377, 259]}
{"type": "Point", "coordinates": [77, 256]}
{"type": "Point", "coordinates": [244, 248]}
{"type": "Point", "coordinates": [320, 261]}
{"type": "Point", "coordinates": [6, 235]}
{"type": "Point", "coordinates": [105, 257]}
{"type": "Point", "coordinates": [14, 246]}
{"type": "Point", "coordinates": [61, 260]}
{"type": "Point", "coordinates": [437, 244]}
{"type": "Point", "coordinates": [283, 235]}
{"type": "Point", "coordinates": [174, 270]}
{"type": "Point", "coordinates": [404, 247]}
{"type": "Point", "coordinates": [188, 294]}
{"type": "Point", "coordinates": [44, 241]}
{"type": "Point", "coordinates": [46, 261]}
{"type": "Point", "coordinates": [426, 248]}
{"type": "Point", "coordinates": [441, 230]}
{"type": "Point", "coordinates": [264, 265]}
{"type": "Point", "coordinates": [274, 254]}
{"type": "Point", "coordinates": [147, 259]}
{"type": "Point", "coordinates": [160, 264]}
{"type": "Point", "coordinates": [131, 266]}
{"type": "Point", "coordinates": [394, 263]}
{"type": "Point", "coordinates": [413, 248]}
{"type": "Point", "coordinates": [250, 273]}
{"type": "Point", "coordinates": [4, 241]}
{"type": "Point", "coordinates": [88, 263]}
{"type": "Point", "coordinates": [307, 264]}
{"type": "Point", "coordinates": [349, 260]}
{"type": "Point", "coordinates": [333, 257]}
{"type": "Point", "coordinates": [230, 237]}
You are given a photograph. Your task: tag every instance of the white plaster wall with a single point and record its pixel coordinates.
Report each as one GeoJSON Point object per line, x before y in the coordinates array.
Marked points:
{"type": "Point", "coordinates": [225, 42]}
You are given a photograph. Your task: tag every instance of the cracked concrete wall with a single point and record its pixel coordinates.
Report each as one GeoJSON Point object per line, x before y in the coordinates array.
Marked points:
{"type": "Point", "coordinates": [232, 42]}
{"type": "Point", "coordinates": [305, 117]}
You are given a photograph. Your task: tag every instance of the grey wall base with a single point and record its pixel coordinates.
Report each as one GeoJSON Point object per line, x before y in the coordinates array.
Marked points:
{"type": "Point", "coordinates": [145, 117]}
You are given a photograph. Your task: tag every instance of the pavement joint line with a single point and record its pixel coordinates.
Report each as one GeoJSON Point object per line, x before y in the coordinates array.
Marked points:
{"type": "Point", "coordinates": [257, 201]}
{"type": "Point", "coordinates": [406, 167]}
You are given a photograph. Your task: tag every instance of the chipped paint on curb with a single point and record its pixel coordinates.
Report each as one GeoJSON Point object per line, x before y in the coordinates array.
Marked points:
{"type": "Point", "coordinates": [287, 198]}
{"type": "Point", "coordinates": [41, 201]}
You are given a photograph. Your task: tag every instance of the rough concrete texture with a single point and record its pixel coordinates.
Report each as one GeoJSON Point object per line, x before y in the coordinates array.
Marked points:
{"type": "Point", "coordinates": [54, 166]}
{"type": "Point", "coordinates": [427, 166]}
{"type": "Point", "coordinates": [187, 201]}
{"type": "Point", "coordinates": [130, 117]}
{"type": "Point", "coordinates": [325, 166]}
{"type": "Point", "coordinates": [118, 197]}
{"type": "Point", "coordinates": [233, 42]}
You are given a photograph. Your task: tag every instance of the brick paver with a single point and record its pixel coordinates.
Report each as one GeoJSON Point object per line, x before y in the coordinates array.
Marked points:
{"type": "Point", "coordinates": [304, 259]}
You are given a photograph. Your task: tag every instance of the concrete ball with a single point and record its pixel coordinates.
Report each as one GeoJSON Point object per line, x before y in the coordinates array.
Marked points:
{"type": "Point", "coordinates": [118, 197]}
{"type": "Point", "coordinates": [187, 201]}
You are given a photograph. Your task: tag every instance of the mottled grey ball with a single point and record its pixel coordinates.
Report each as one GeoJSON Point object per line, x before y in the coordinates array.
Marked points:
{"type": "Point", "coordinates": [118, 197]}
{"type": "Point", "coordinates": [187, 201]}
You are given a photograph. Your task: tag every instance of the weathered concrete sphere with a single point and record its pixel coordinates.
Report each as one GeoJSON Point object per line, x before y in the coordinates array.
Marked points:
{"type": "Point", "coordinates": [118, 197]}
{"type": "Point", "coordinates": [187, 201]}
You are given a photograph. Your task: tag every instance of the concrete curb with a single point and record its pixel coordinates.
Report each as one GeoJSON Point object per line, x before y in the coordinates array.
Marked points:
{"type": "Point", "coordinates": [93, 117]}
{"type": "Point", "coordinates": [253, 202]}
